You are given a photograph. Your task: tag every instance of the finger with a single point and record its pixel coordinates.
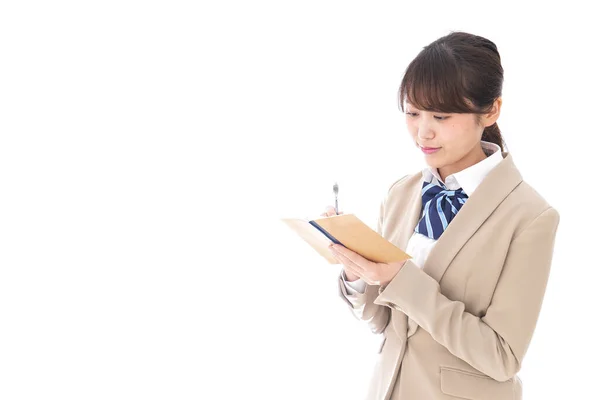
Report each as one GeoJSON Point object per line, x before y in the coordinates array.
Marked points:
{"type": "Point", "coordinates": [338, 259]}
{"type": "Point", "coordinates": [349, 262]}
{"type": "Point", "coordinates": [347, 265]}
{"type": "Point", "coordinates": [350, 272]}
{"type": "Point", "coordinates": [330, 210]}
{"type": "Point", "coordinates": [354, 257]}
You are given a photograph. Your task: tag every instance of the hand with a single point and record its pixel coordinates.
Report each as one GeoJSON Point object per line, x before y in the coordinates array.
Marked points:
{"type": "Point", "coordinates": [371, 272]}
{"type": "Point", "coordinates": [330, 212]}
{"type": "Point", "coordinates": [351, 277]}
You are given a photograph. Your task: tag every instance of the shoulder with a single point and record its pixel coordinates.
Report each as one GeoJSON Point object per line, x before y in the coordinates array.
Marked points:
{"type": "Point", "coordinates": [523, 205]}
{"type": "Point", "coordinates": [398, 190]}
{"type": "Point", "coordinates": [530, 206]}
{"type": "Point", "coordinates": [399, 187]}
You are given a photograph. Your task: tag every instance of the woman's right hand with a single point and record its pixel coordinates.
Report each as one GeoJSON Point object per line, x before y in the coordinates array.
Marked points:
{"type": "Point", "coordinates": [329, 212]}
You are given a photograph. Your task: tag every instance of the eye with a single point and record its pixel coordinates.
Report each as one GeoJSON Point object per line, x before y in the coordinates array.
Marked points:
{"type": "Point", "coordinates": [438, 117]}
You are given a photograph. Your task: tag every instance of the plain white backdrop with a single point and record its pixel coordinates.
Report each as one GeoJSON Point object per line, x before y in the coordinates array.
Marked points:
{"type": "Point", "coordinates": [148, 150]}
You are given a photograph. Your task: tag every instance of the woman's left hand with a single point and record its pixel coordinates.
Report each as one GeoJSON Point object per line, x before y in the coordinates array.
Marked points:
{"type": "Point", "coordinates": [371, 272]}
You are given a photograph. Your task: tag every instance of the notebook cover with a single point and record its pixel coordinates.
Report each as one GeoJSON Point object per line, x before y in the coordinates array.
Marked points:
{"type": "Point", "coordinates": [352, 233]}
{"type": "Point", "coordinates": [312, 236]}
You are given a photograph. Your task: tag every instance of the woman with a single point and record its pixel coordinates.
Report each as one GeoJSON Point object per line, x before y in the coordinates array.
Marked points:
{"type": "Point", "coordinates": [457, 318]}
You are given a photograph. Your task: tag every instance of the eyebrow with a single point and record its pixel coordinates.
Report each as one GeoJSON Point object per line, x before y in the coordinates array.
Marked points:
{"type": "Point", "coordinates": [417, 108]}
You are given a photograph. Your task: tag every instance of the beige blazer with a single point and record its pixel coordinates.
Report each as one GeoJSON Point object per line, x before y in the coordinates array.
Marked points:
{"type": "Point", "coordinates": [460, 327]}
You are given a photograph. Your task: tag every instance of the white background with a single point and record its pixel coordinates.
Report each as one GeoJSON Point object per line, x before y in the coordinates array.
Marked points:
{"type": "Point", "coordinates": [148, 150]}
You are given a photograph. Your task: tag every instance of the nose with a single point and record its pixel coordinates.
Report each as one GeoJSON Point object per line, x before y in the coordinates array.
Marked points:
{"type": "Point", "coordinates": [425, 131]}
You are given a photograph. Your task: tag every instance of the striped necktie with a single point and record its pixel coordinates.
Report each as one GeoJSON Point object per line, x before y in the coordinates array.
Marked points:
{"type": "Point", "coordinates": [440, 205]}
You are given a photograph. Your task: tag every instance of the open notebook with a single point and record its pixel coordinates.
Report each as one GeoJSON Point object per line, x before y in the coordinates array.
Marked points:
{"type": "Point", "coordinates": [349, 231]}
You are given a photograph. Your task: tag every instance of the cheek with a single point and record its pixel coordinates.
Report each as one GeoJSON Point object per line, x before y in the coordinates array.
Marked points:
{"type": "Point", "coordinates": [445, 135]}
{"type": "Point", "coordinates": [453, 135]}
{"type": "Point", "coordinates": [412, 128]}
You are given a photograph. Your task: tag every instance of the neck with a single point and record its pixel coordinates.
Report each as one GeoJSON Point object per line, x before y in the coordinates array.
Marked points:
{"type": "Point", "coordinates": [472, 158]}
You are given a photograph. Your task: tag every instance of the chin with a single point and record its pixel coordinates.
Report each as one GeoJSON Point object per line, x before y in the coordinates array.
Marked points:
{"type": "Point", "coordinates": [433, 163]}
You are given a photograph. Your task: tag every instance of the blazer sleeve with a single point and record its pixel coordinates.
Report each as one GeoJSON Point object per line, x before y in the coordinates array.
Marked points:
{"type": "Point", "coordinates": [362, 304]}
{"type": "Point", "coordinates": [496, 343]}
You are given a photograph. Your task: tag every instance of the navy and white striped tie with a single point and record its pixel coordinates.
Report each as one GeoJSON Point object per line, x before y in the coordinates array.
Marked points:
{"type": "Point", "coordinates": [440, 205]}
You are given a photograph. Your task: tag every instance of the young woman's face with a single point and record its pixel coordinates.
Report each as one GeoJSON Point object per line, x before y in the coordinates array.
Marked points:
{"type": "Point", "coordinates": [455, 137]}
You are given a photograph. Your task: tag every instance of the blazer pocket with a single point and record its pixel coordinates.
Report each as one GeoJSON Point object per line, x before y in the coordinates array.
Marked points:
{"type": "Point", "coordinates": [474, 386]}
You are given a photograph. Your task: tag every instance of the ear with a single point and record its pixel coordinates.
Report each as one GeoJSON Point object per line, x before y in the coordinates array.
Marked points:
{"type": "Point", "coordinates": [492, 116]}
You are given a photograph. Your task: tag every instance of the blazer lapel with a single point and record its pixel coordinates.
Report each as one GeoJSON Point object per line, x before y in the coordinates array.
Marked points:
{"type": "Point", "coordinates": [494, 188]}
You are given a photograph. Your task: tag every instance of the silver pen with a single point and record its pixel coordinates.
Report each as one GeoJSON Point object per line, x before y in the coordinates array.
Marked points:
{"type": "Point", "coordinates": [336, 189]}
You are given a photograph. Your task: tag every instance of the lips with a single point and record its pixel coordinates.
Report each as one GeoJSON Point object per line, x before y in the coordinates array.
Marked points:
{"type": "Point", "coordinates": [429, 150]}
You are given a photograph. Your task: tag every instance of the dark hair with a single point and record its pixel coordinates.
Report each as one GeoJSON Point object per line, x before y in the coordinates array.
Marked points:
{"type": "Point", "coordinates": [457, 73]}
